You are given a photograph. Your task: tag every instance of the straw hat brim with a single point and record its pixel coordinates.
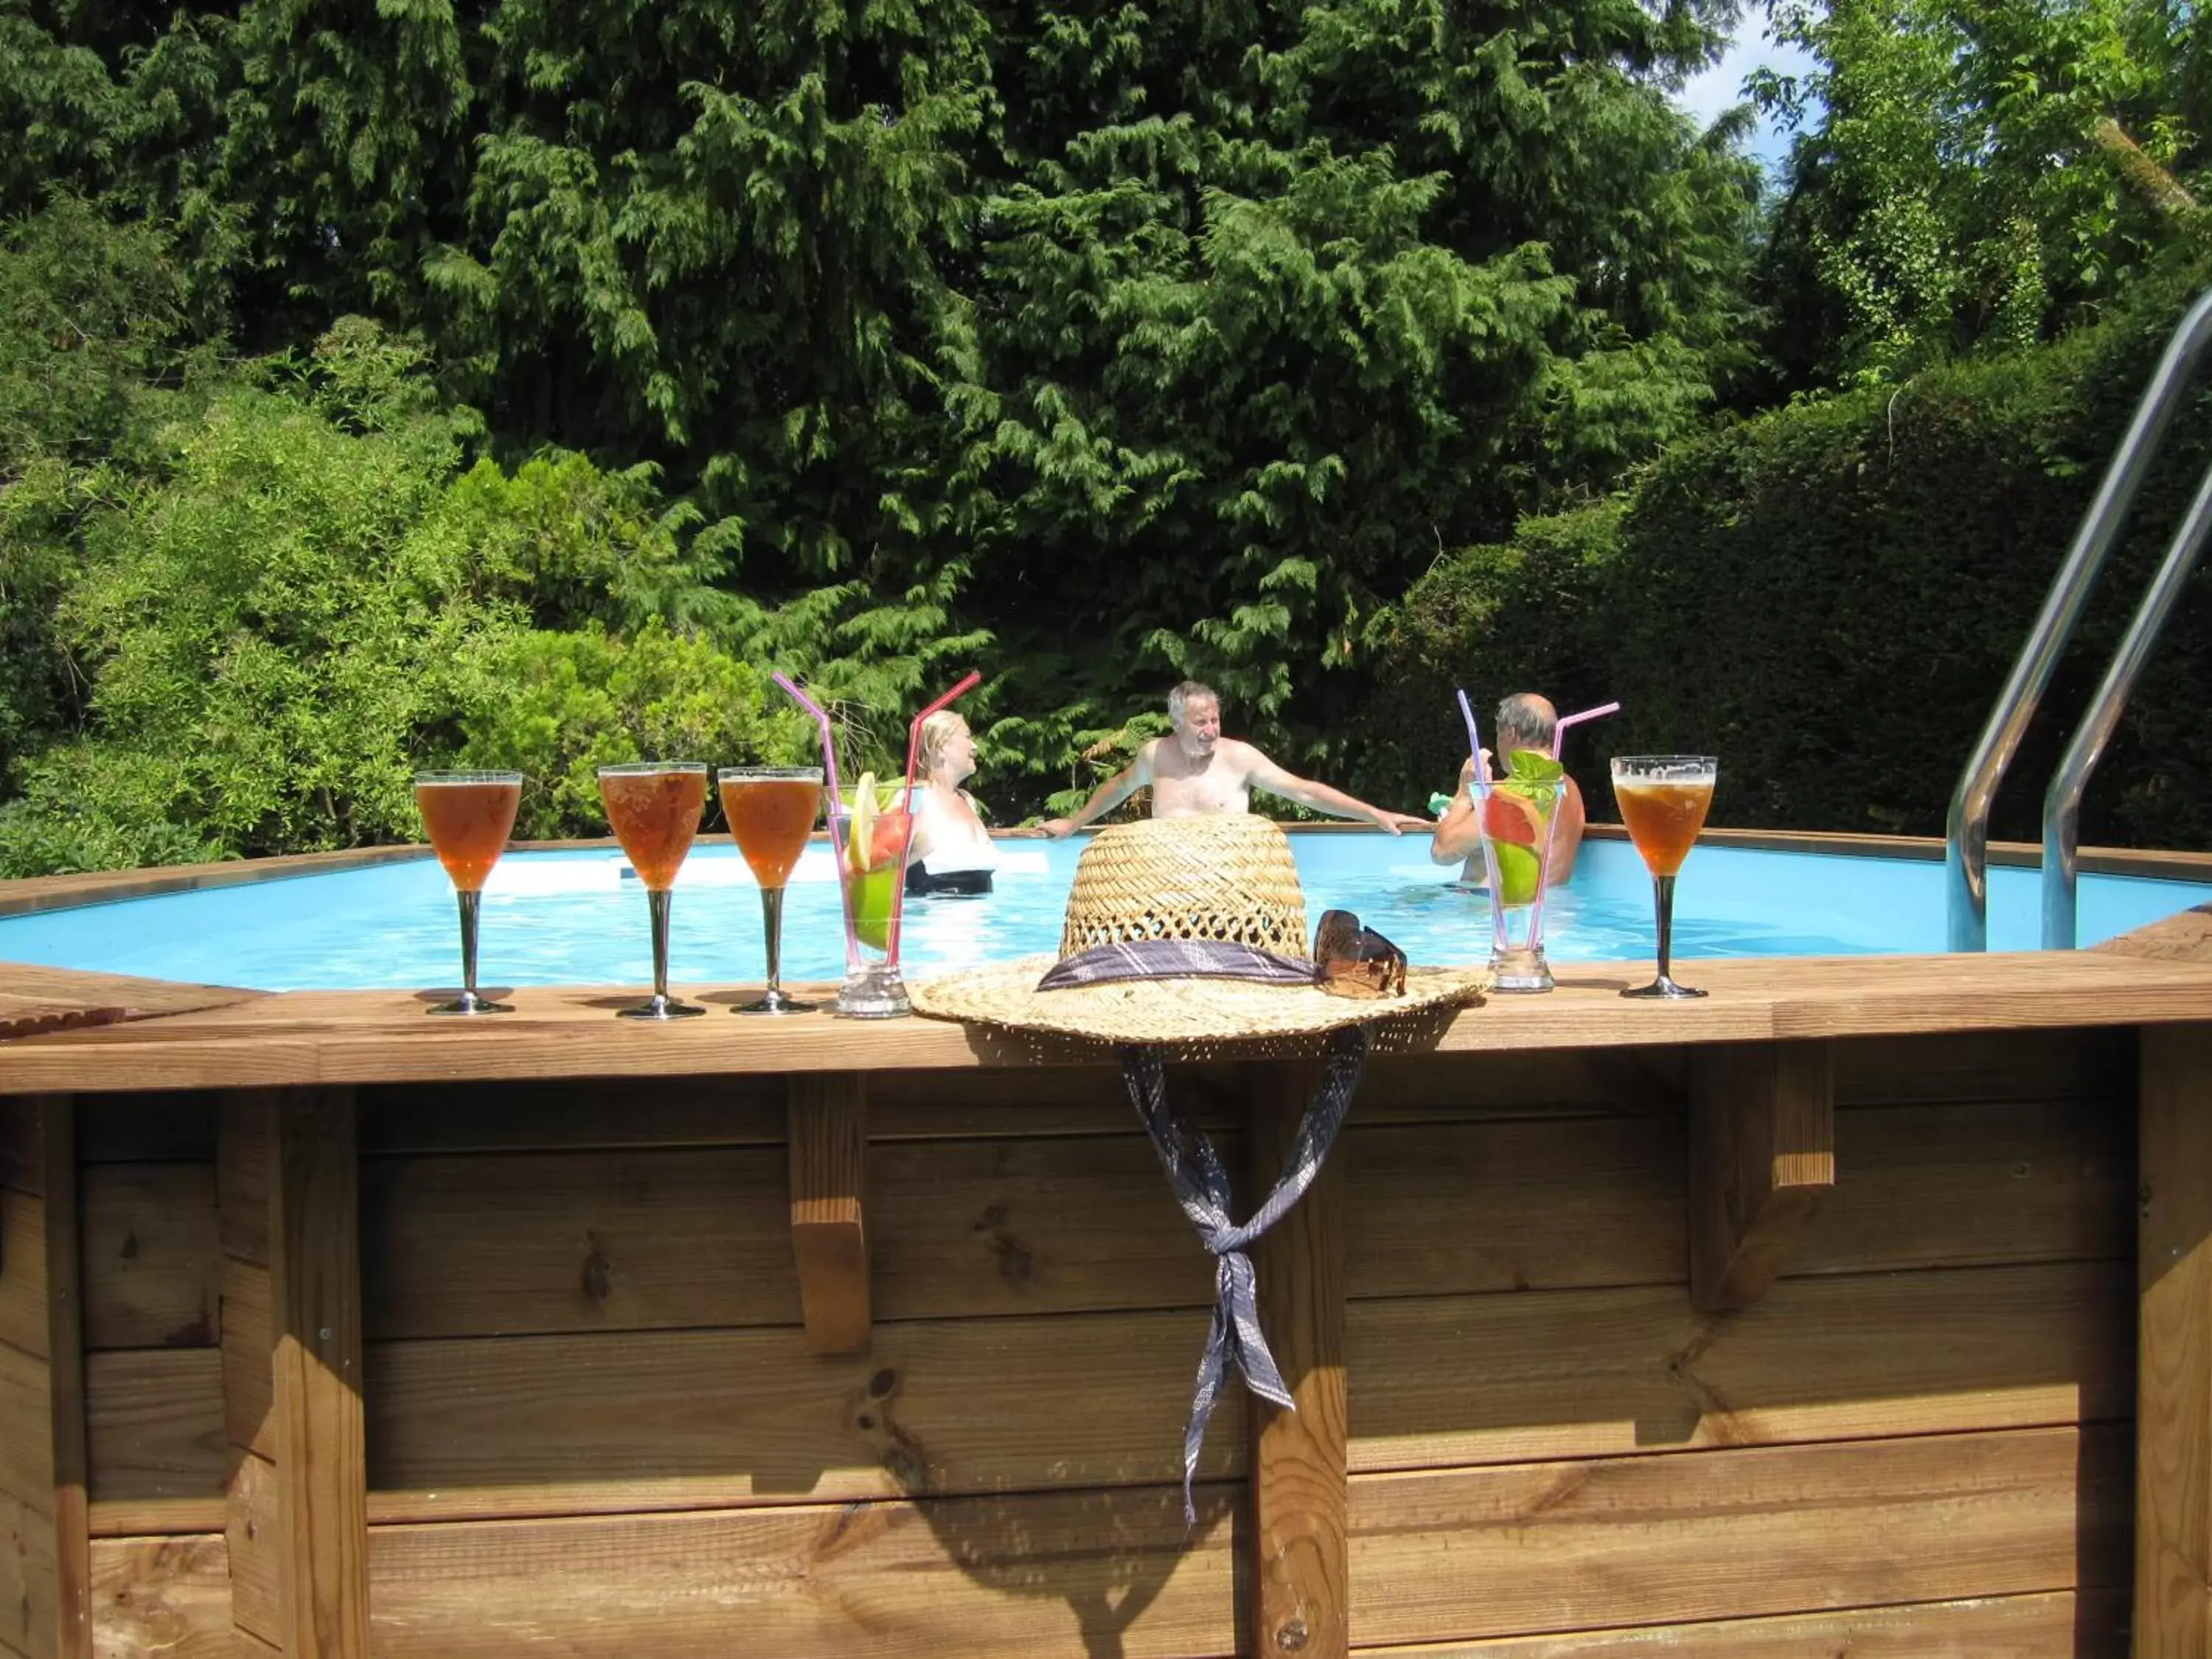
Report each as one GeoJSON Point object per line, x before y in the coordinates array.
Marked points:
{"type": "Point", "coordinates": [1177, 1013]}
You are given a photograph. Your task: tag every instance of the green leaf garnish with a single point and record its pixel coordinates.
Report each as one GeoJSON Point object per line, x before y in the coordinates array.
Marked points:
{"type": "Point", "coordinates": [1527, 766]}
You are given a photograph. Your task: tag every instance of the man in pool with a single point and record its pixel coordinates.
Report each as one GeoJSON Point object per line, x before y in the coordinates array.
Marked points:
{"type": "Point", "coordinates": [1197, 770]}
{"type": "Point", "coordinates": [1525, 720]}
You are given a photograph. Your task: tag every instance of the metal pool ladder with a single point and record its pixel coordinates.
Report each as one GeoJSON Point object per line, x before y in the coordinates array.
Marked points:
{"type": "Point", "coordinates": [1966, 856]}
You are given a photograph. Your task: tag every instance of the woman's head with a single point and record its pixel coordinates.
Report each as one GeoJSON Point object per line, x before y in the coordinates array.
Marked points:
{"type": "Point", "coordinates": [948, 750]}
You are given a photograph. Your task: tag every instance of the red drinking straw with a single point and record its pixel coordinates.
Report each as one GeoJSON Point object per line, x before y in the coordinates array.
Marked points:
{"type": "Point", "coordinates": [913, 732]}
{"type": "Point", "coordinates": [1559, 732]}
{"type": "Point", "coordinates": [836, 797]}
{"type": "Point", "coordinates": [913, 757]}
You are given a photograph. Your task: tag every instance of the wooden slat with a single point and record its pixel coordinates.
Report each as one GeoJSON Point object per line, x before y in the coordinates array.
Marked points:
{"type": "Point", "coordinates": [1950, 1186]}
{"type": "Point", "coordinates": [153, 1256]}
{"type": "Point", "coordinates": [299, 1516]}
{"type": "Point", "coordinates": [1956, 1067]}
{"type": "Point", "coordinates": [698, 1419]}
{"type": "Point", "coordinates": [668, 1239]}
{"type": "Point", "coordinates": [1569, 1546]}
{"type": "Point", "coordinates": [2173, 1488]}
{"type": "Point", "coordinates": [154, 1430]}
{"type": "Point", "coordinates": [1299, 1474]}
{"type": "Point", "coordinates": [1762, 1159]}
{"type": "Point", "coordinates": [594, 1423]}
{"type": "Point", "coordinates": [30, 1612]}
{"type": "Point", "coordinates": [742, 1110]}
{"type": "Point", "coordinates": [1593, 1373]}
{"type": "Point", "coordinates": [329, 1037]}
{"type": "Point", "coordinates": [23, 1145]}
{"type": "Point", "coordinates": [829, 1119]}
{"type": "Point", "coordinates": [172, 1126]}
{"type": "Point", "coordinates": [27, 1435]}
{"type": "Point", "coordinates": [2092, 1624]}
{"type": "Point", "coordinates": [248, 1338]}
{"type": "Point", "coordinates": [1073, 1574]}
{"type": "Point", "coordinates": [161, 1598]}
{"type": "Point", "coordinates": [23, 1272]}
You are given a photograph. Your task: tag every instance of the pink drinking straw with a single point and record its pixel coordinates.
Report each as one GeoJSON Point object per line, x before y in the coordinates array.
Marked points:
{"type": "Point", "coordinates": [1559, 732]}
{"type": "Point", "coordinates": [836, 797]}
{"type": "Point", "coordinates": [913, 756]}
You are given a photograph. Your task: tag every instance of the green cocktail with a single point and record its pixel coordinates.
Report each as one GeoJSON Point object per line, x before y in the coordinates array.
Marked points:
{"type": "Point", "coordinates": [870, 825]}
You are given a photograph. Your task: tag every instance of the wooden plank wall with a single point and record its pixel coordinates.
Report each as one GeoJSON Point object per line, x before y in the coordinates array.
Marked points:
{"type": "Point", "coordinates": [592, 1422]}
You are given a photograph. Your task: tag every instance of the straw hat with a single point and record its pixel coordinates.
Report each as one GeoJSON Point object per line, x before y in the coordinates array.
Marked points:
{"type": "Point", "coordinates": [1227, 878]}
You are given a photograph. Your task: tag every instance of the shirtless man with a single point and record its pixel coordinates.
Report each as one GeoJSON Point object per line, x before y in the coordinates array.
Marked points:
{"type": "Point", "coordinates": [1525, 720]}
{"type": "Point", "coordinates": [1199, 770]}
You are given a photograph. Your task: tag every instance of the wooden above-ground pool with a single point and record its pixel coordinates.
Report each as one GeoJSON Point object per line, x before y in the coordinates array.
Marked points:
{"type": "Point", "coordinates": [1864, 1307]}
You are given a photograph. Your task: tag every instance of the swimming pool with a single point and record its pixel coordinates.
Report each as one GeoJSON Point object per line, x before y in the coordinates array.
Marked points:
{"type": "Point", "coordinates": [573, 917]}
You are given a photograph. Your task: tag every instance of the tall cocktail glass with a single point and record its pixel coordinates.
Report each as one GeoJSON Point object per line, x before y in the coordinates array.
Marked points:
{"type": "Point", "coordinates": [771, 812]}
{"type": "Point", "coordinates": [870, 824]}
{"type": "Point", "coordinates": [1663, 800]}
{"type": "Point", "coordinates": [654, 808]}
{"type": "Point", "coordinates": [1517, 818]}
{"type": "Point", "coordinates": [468, 817]}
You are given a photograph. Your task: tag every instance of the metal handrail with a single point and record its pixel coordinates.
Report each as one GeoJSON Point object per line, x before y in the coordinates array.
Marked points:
{"type": "Point", "coordinates": [2062, 804]}
{"type": "Point", "coordinates": [1966, 856]}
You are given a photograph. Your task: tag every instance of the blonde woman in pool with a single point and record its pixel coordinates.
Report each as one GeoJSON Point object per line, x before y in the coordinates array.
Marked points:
{"type": "Point", "coordinates": [952, 851]}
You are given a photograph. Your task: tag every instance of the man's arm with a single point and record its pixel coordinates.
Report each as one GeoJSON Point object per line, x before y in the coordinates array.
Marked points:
{"type": "Point", "coordinates": [1263, 774]}
{"type": "Point", "coordinates": [1108, 796]}
{"type": "Point", "coordinates": [1459, 835]}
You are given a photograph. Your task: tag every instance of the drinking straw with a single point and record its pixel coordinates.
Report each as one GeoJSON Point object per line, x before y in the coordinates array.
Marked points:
{"type": "Point", "coordinates": [913, 732]}
{"type": "Point", "coordinates": [1559, 732]}
{"type": "Point", "coordinates": [1474, 744]}
{"type": "Point", "coordinates": [836, 796]}
{"type": "Point", "coordinates": [1481, 794]}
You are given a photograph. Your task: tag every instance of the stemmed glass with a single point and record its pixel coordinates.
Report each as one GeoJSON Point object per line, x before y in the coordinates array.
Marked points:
{"type": "Point", "coordinates": [870, 827]}
{"type": "Point", "coordinates": [771, 811]}
{"type": "Point", "coordinates": [469, 816]}
{"type": "Point", "coordinates": [1663, 800]}
{"type": "Point", "coordinates": [654, 807]}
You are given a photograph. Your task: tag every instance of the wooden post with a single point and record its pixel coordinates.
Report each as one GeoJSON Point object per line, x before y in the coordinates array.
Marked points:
{"type": "Point", "coordinates": [2173, 1379]}
{"type": "Point", "coordinates": [45, 1541]}
{"type": "Point", "coordinates": [827, 1115]}
{"type": "Point", "coordinates": [1762, 1157]}
{"type": "Point", "coordinates": [286, 1177]}
{"type": "Point", "coordinates": [1300, 1485]}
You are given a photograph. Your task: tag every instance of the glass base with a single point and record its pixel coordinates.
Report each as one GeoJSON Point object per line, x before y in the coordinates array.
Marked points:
{"type": "Point", "coordinates": [1521, 970]}
{"type": "Point", "coordinates": [469, 1003]}
{"type": "Point", "coordinates": [875, 992]}
{"type": "Point", "coordinates": [1663, 988]}
{"type": "Point", "coordinates": [775, 1002]}
{"type": "Point", "coordinates": [659, 1007]}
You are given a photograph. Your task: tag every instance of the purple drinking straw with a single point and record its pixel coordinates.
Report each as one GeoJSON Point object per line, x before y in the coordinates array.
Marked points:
{"type": "Point", "coordinates": [836, 799]}
{"type": "Point", "coordinates": [1481, 790]}
{"type": "Point", "coordinates": [1559, 731]}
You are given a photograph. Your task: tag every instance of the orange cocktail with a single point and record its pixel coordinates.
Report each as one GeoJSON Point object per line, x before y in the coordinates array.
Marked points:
{"type": "Point", "coordinates": [1663, 800]}
{"type": "Point", "coordinates": [1664, 820]}
{"type": "Point", "coordinates": [468, 816]}
{"type": "Point", "coordinates": [654, 808]}
{"type": "Point", "coordinates": [771, 811]}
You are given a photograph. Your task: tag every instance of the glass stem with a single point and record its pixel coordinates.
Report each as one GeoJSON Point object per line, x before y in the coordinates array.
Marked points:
{"type": "Point", "coordinates": [470, 901]}
{"type": "Point", "coordinates": [772, 919]}
{"type": "Point", "coordinates": [1664, 897]}
{"type": "Point", "coordinates": [657, 901]}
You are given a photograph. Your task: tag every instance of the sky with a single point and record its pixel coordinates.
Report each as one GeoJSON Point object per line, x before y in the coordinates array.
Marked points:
{"type": "Point", "coordinates": [1711, 93]}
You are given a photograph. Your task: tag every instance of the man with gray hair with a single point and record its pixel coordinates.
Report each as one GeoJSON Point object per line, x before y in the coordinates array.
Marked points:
{"type": "Point", "coordinates": [1197, 770]}
{"type": "Point", "coordinates": [1525, 720]}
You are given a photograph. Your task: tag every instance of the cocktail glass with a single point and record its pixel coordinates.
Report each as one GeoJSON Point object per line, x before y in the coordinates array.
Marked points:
{"type": "Point", "coordinates": [1663, 800]}
{"type": "Point", "coordinates": [870, 824]}
{"type": "Point", "coordinates": [468, 816]}
{"type": "Point", "coordinates": [771, 812]}
{"type": "Point", "coordinates": [1518, 817]}
{"type": "Point", "coordinates": [654, 808]}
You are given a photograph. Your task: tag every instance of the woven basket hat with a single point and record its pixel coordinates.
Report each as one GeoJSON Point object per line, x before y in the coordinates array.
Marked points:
{"type": "Point", "coordinates": [1225, 876]}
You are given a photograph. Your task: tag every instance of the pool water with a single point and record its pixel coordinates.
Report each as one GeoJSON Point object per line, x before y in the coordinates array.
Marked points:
{"type": "Point", "coordinates": [576, 918]}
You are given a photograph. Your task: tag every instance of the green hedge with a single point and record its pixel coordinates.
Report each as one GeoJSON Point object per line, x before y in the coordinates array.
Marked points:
{"type": "Point", "coordinates": [1829, 597]}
